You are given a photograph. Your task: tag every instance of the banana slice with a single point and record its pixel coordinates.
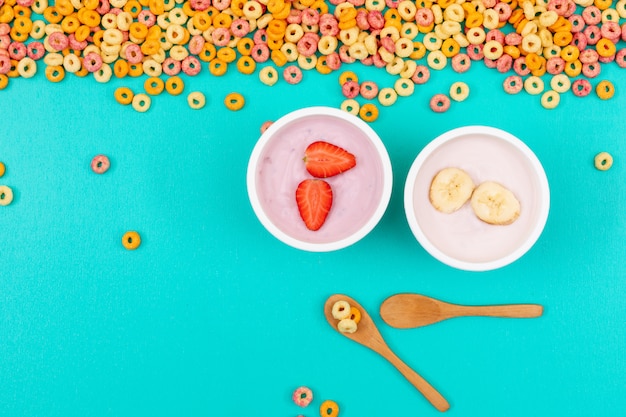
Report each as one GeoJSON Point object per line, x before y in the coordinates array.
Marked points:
{"type": "Point", "coordinates": [495, 204]}
{"type": "Point", "coordinates": [450, 189]}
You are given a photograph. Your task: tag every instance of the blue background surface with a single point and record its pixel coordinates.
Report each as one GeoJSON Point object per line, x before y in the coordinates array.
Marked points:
{"type": "Point", "coordinates": [212, 316]}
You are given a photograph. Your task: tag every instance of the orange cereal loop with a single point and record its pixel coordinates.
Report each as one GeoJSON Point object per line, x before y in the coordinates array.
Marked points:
{"type": "Point", "coordinates": [605, 47]}
{"type": "Point", "coordinates": [208, 53]}
{"type": "Point", "coordinates": [473, 19]}
{"type": "Point", "coordinates": [245, 45]}
{"type": "Point", "coordinates": [573, 68]}
{"type": "Point", "coordinates": [201, 21]}
{"type": "Point", "coordinates": [70, 24]}
{"type": "Point", "coordinates": [355, 314]}
{"type": "Point", "coordinates": [91, 4]}
{"type": "Point", "coordinates": [562, 37]}
{"type": "Point", "coordinates": [246, 65]}
{"type": "Point", "coordinates": [329, 408]}
{"type": "Point", "coordinates": [275, 44]}
{"type": "Point", "coordinates": [157, 7]}
{"type": "Point", "coordinates": [512, 51]}
{"type": "Point", "coordinates": [234, 101]}
{"type": "Point", "coordinates": [150, 47]}
{"type": "Point", "coordinates": [602, 4]}
{"type": "Point", "coordinates": [542, 67]}
{"type": "Point", "coordinates": [55, 73]}
{"type": "Point", "coordinates": [222, 20]}
{"type": "Point", "coordinates": [218, 67]}
{"type": "Point", "coordinates": [24, 24]}
{"type": "Point", "coordinates": [368, 112]}
{"type": "Point", "coordinates": [124, 95]}
{"type": "Point", "coordinates": [236, 6]}
{"type": "Point", "coordinates": [2, 169]}
{"type": "Point", "coordinates": [154, 86]}
{"type": "Point", "coordinates": [138, 30]}
{"type": "Point", "coordinates": [605, 89]}
{"type": "Point", "coordinates": [131, 240]}
{"type": "Point", "coordinates": [561, 24]}
{"type": "Point", "coordinates": [52, 15]}
{"type": "Point", "coordinates": [120, 68]}
{"type": "Point", "coordinates": [570, 53]}
{"type": "Point", "coordinates": [450, 47]}
{"type": "Point", "coordinates": [279, 58]}
{"type": "Point", "coordinates": [91, 18]}
{"type": "Point", "coordinates": [188, 10]}
{"type": "Point", "coordinates": [533, 61]}
{"type": "Point", "coordinates": [64, 7]}
{"type": "Point", "coordinates": [4, 81]}
{"type": "Point", "coordinates": [133, 8]}
{"type": "Point", "coordinates": [135, 70]}
{"type": "Point", "coordinates": [321, 66]}
{"type": "Point", "coordinates": [174, 85]}
{"type": "Point", "coordinates": [348, 76]}
{"type": "Point", "coordinates": [97, 37]}
{"type": "Point", "coordinates": [226, 54]}
{"type": "Point", "coordinates": [6, 13]}
{"type": "Point", "coordinates": [321, 6]}
{"type": "Point", "coordinates": [419, 51]}
{"type": "Point", "coordinates": [19, 36]}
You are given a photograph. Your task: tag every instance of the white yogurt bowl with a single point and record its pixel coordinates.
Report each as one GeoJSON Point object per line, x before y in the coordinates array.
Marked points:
{"type": "Point", "coordinates": [460, 239]}
{"type": "Point", "coordinates": [276, 167]}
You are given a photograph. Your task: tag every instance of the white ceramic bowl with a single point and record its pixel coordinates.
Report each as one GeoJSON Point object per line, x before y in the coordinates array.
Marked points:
{"type": "Point", "coordinates": [460, 239]}
{"type": "Point", "coordinates": [360, 195]}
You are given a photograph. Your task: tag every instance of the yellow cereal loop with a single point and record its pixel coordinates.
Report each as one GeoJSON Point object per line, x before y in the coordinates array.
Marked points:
{"type": "Point", "coordinates": [603, 161]}
{"type": "Point", "coordinates": [550, 99]}
{"type": "Point", "coordinates": [459, 91]}
{"type": "Point", "coordinates": [6, 195]}
{"type": "Point", "coordinates": [141, 102]}
{"type": "Point", "coordinates": [131, 240]}
{"type": "Point", "coordinates": [196, 100]}
{"type": "Point", "coordinates": [351, 106]}
{"type": "Point", "coordinates": [234, 101]}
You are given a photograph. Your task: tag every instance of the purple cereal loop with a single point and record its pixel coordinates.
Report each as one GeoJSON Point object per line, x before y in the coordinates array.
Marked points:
{"type": "Point", "coordinates": [592, 15]}
{"type": "Point", "coordinates": [513, 84]}
{"type": "Point", "coordinates": [133, 54]}
{"type": "Point", "coordinates": [581, 87]}
{"type": "Point", "coordinates": [5, 64]}
{"type": "Point", "coordinates": [191, 65]}
{"type": "Point", "coordinates": [592, 34]}
{"type": "Point", "coordinates": [171, 67]}
{"type": "Point", "coordinates": [350, 89]}
{"type": "Point", "coordinates": [260, 52]}
{"type": "Point", "coordinates": [520, 67]}
{"type": "Point", "coordinates": [292, 74]}
{"type": "Point", "coordinates": [35, 50]}
{"type": "Point", "coordinates": [240, 28]}
{"type": "Point", "coordinates": [421, 74]}
{"type": "Point", "coordinates": [17, 50]}
{"type": "Point", "coordinates": [555, 65]}
{"type": "Point", "coordinates": [92, 62]}
{"type": "Point", "coordinates": [196, 44]}
{"type": "Point", "coordinates": [58, 41]}
{"type": "Point", "coordinates": [504, 63]}
{"type": "Point", "coordinates": [578, 23]}
{"type": "Point", "coordinates": [591, 70]}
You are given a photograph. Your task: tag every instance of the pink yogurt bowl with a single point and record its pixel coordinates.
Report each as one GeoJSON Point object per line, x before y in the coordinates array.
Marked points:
{"type": "Point", "coordinates": [460, 239]}
{"type": "Point", "coordinates": [276, 167]}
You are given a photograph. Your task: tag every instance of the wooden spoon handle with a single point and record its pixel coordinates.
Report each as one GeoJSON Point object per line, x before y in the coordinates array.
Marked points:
{"type": "Point", "coordinates": [427, 390]}
{"type": "Point", "coordinates": [509, 311]}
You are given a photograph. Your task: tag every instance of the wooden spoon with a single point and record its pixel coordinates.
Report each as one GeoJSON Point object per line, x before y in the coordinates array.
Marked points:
{"type": "Point", "coordinates": [368, 335]}
{"type": "Point", "coordinates": [406, 311]}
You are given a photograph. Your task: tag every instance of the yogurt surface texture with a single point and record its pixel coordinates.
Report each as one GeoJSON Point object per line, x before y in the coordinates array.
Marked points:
{"type": "Point", "coordinates": [360, 195]}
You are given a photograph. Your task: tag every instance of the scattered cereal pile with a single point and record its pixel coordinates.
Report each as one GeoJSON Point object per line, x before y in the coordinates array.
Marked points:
{"type": "Point", "coordinates": [560, 43]}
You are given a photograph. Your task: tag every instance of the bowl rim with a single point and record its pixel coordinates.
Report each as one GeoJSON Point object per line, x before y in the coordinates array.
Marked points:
{"type": "Point", "coordinates": [544, 193]}
{"type": "Point", "coordinates": [310, 112]}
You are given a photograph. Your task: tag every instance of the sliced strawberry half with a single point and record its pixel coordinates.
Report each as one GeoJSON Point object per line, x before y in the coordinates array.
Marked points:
{"type": "Point", "coordinates": [314, 198]}
{"type": "Point", "coordinates": [323, 159]}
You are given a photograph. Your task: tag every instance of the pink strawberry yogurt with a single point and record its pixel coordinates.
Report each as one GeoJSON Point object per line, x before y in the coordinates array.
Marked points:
{"type": "Point", "coordinates": [460, 239]}
{"type": "Point", "coordinates": [360, 195]}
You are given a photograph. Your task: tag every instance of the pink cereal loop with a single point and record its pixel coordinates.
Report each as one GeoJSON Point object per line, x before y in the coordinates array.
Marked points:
{"type": "Point", "coordinates": [5, 29]}
{"type": "Point", "coordinates": [611, 30]}
{"type": "Point", "coordinates": [196, 44]}
{"type": "Point", "coordinates": [239, 28]}
{"type": "Point", "coordinates": [513, 84]}
{"type": "Point", "coordinates": [260, 36]}
{"type": "Point", "coordinates": [495, 35]}
{"type": "Point", "coordinates": [421, 74]}
{"type": "Point", "coordinates": [191, 65]}
{"type": "Point", "coordinates": [17, 50]}
{"type": "Point", "coordinates": [424, 17]}
{"type": "Point", "coordinates": [461, 62]}
{"type": "Point", "coordinates": [581, 87]}
{"type": "Point", "coordinates": [292, 74]}
{"type": "Point", "coordinates": [75, 44]}
{"type": "Point", "coordinates": [555, 65]}
{"type": "Point", "coordinates": [591, 70]}
{"type": "Point", "coordinates": [357, 3]}
{"type": "Point", "coordinates": [171, 66]}
{"type": "Point", "coordinates": [489, 3]}
{"type": "Point", "coordinates": [475, 52]}
{"type": "Point", "coordinates": [5, 64]}
{"type": "Point", "coordinates": [36, 50]}
{"type": "Point", "coordinates": [578, 23]}
{"type": "Point", "coordinates": [133, 54]}
{"type": "Point", "coordinates": [295, 16]}
{"type": "Point", "coordinates": [221, 4]}
{"type": "Point", "coordinates": [504, 11]}
{"type": "Point", "coordinates": [147, 18]}
{"type": "Point", "coordinates": [302, 396]}
{"type": "Point", "coordinates": [25, 3]}
{"type": "Point", "coordinates": [376, 19]}
{"type": "Point", "coordinates": [307, 45]}
{"type": "Point", "coordinates": [200, 5]}
{"type": "Point", "coordinates": [329, 26]}
{"type": "Point", "coordinates": [221, 37]}
{"type": "Point", "coordinates": [260, 52]}
{"type": "Point", "coordinates": [266, 124]}
{"type": "Point", "coordinates": [58, 41]}
{"type": "Point", "coordinates": [92, 62]}
{"type": "Point", "coordinates": [588, 56]}
{"type": "Point", "coordinates": [504, 63]}
{"type": "Point", "coordinates": [369, 90]}
{"type": "Point", "coordinates": [579, 40]}
{"type": "Point", "coordinates": [350, 89]}
{"type": "Point", "coordinates": [558, 6]}
{"type": "Point", "coordinates": [520, 67]}
{"type": "Point", "coordinates": [333, 61]}
{"type": "Point", "coordinates": [439, 103]}
{"type": "Point", "coordinates": [100, 164]}
{"type": "Point", "coordinates": [592, 15]}
{"type": "Point", "coordinates": [5, 41]}
{"type": "Point", "coordinates": [592, 34]}
{"type": "Point", "coordinates": [344, 55]}
{"type": "Point", "coordinates": [103, 7]}
{"type": "Point", "coordinates": [620, 58]}
{"type": "Point", "coordinates": [310, 16]}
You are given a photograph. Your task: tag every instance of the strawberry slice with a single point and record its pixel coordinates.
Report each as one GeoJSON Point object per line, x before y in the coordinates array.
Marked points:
{"type": "Point", "coordinates": [323, 159]}
{"type": "Point", "coordinates": [314, 198]}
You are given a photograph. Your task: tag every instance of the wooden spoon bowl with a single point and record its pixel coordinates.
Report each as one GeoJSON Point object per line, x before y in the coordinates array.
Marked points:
{"type": "Point", "coordinates": [368, 335]}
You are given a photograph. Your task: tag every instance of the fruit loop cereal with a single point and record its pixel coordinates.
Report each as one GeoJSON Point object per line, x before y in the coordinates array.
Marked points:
{"type": "Point", "coordinates": [302, 396]}
{"type": "Point", "coordinates": [2, 169]}
{"type": "Point", "coordinates": [439, 103]}
{"type": "Point", "coordinates": [196, 100]}
{"type": "Point", "coordinates": [100, 164]}
{"type": "Point", "coordinates": [6, 195]}
{"type": "Point", "coordinates": [603, 161]}
{"type": "Point", "coordinates": [234, 101]}
{"type": "Point", "coordinates": [131, 240]}
{"type": "Point", "coordinates": [161, 39]}
{"type": "Point", "coordinates": [329, 408]}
